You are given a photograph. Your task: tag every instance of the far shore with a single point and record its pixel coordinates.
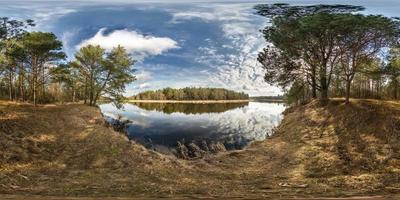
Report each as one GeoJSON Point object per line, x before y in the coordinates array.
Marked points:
{"type": "Point", "coordinates": [188, 101]}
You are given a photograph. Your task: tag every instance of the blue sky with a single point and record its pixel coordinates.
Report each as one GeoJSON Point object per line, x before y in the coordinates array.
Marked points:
{"type": "Point", "coordinates": [177, 43]}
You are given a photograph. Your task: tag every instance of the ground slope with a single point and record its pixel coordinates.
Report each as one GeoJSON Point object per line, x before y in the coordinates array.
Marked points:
{"type": "Point", "coordinates": [335, 150]}
{"type": "Point", "coordinates": [68, 150]}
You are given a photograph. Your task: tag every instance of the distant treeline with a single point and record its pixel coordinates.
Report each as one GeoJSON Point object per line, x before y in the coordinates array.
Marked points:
{"type": "Point", "coordinates": [191, 93]}
{"type": "Point", "coordinates": [279, 97]}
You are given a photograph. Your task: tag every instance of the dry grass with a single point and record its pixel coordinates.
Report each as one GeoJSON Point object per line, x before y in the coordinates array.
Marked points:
{"type": "Point", "coordinates": [337, 150]}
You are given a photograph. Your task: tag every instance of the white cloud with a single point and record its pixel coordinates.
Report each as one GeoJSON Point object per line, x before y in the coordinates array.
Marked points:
{"type": "Point", "coordinates": [239, 28]}
{"type": "Point", "coordinates": [177, 17]}
{"type": "Point", "coordinates": [216, 12]}
{"type": "Point", "coordinates": [46, 14]}
{"type": "Point", "coordinates": [239, 69]}
{"type": "Point", "coordinates": [143, 79]}
{"type": "Point", "coordinates": [144, 86]}
{"type": "Point", "coordinates": [137, 44]}
{"type": "Point", "coordinates": [142, 76]}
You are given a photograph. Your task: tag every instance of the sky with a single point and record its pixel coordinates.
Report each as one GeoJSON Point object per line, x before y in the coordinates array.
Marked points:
{"type": "Point", "coordinates": [177, 43]}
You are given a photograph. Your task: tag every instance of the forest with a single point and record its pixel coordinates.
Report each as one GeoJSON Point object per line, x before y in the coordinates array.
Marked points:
{"type": "Point", "coordinates": [191, 93]}
{"type": "Point", "coordinates": [323, 51]}
{"type": "Point", "coordinates": [33, 68]}
{"type": "Point", "coordinates": [331, 51]}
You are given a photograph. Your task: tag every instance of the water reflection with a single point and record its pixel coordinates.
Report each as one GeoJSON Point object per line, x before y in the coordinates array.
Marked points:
{"type": "Point", "coordinates": [207, 126]}
{"type": "Point", "coordinates": [189, 108]}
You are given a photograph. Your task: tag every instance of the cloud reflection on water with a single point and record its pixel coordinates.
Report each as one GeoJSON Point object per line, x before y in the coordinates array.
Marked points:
{"type": "Point", "coordinates": [235, 127]}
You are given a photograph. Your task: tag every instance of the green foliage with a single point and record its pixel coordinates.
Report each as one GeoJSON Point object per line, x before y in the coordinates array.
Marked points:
{"type": "Point", "coordinates": [304, 49]}
{"type": "Point", "coordinates": [104, 74]}
{"type": "Point", "coordinates": [191, 93]}
{"type": "Point", "coordinates": [41, 46]}
{"type": "Point", "coordinates": [31, 56]}
{"type": "Point", "coordinates": [393, 70]}
{"type": "Point", "coordinates": [297, 93]}
{"type": "Point", "coordinates": [283, 9]}
{"type": "Point", "coordinates": [11, 28]}
{"type": "Point", "coordinates": [314, 44]}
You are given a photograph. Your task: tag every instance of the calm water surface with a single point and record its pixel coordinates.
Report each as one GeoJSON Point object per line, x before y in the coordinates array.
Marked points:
{"type": "Point", "coordinates": [161, 126]}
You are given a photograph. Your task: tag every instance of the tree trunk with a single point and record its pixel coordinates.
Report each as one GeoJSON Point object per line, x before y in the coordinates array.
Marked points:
{"type": "Point", "coordinates": [395, 88]}
{"type": "Point", "coordinates": [91, 95]}
{"type": "Point", "coordinates": [21, 93]}
{"type": "Point", "coordinates": [86, 83]}
{"type": "Point", "coordinates": [10, 85]}
{"type": "Point", "coordinates": [324, 91]}
{"type": "Point", "coordinates": [102, 87]}
{"type": "Point", "coordinates": [43, 84]}
{"type": "Point", "coordinates": [21, 84]}
{"type": "Point", "coordinates": [73, 94]}
{"type": "Point", "coordinates": [314, 85]}
{"type": "Point", "coordinates": [323, 83]}
{"type": "Point", "coordinates": [34, 93]}
{"type": "Point", "coordinates": [34, 79]}
{"type": "Point", "coordinates": [324, 95]}
{"type": "Point", "coordinates": [348, 84]}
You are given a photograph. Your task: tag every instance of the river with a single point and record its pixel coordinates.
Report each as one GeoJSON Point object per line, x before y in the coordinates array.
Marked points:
{"type": "Point", "coordinates": [165, 126]}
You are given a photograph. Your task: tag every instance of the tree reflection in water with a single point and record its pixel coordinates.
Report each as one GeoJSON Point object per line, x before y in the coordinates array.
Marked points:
{"type": "Point", "coordinates": [189, 108]}
{"type": "Point", "coordinates": [181, 128]}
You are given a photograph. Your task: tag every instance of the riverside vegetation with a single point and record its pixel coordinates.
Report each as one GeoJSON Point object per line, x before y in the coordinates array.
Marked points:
{"type": "Point", "coordinates": [341, 136]}
{"type": "Point", "coordinates": [191, 94]}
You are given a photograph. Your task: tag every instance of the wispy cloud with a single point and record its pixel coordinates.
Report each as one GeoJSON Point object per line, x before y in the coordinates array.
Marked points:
{"type": "Point", "coordinates": [234, 64]}
{"type": "Point", "coordinates": [143, 76]}
{"type": "Point", "coordinates": [216, 12]}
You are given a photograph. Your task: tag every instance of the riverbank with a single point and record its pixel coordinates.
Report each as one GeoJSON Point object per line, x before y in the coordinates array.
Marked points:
{"type": "Point", "coordinates": [188, 101]}
{"type": "Point", "coordinates": [337, 150]}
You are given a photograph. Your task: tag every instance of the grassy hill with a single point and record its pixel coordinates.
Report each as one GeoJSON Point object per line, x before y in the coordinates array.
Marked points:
{"type": "Point", "coordinates": [336, 150]}
{"type": "Point", "coordinates": [345, 147]}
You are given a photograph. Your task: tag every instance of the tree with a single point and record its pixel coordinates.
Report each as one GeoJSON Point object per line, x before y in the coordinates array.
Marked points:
{"type": "Point", "coordinates": [302, 44]}
{"type": "Point", "coordinates": [362, 37]}
{"type": "Point", "coordinates": [105, 74]}
{"type": "Point", "coordinates": [31, 66]}
{"type": "Point", "coordinates": [10, 28]}
{"type": "Point", "coordinates": [88, 61]}
{"type": "Point", "coordinates": [117, 74]}
{"type": "Point", "coordinates": [10, 31]}
{"type": "Point", "coordinates": [68, 81]}
{"type": "Point", "coordinates": [293, 11]}
{"type": "Point", "coordinates": [311, 44]}
{"type": "Point", "coordinates": [303, 48]}
{"type": "Point", "coordinates": [38, 51]}
{"type": "Point", "coordinates": [393, 69]}
{"type": "Point", "coordinates": [191, 93]}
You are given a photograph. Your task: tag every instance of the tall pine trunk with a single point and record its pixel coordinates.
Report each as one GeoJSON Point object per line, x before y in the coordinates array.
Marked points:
{"type": "Point", "coordinates": [314, 84]}
{"type": "Point", "coordinates": [395, 88]}
{"type": "Point", "coordinates": [86, 87]}
{"type": "Point", "coordinates": [348, 84]}
{"type": "Point", "coordinates": [91, 95]}
{"type": "Point", "coordinates": [34, 79]}
{"type": "Point", "coordinates": [324, 90]}
{"type": "Point", "coordinates": [10, 86]}
{"type": "Point", "coordinates": [324, 83]}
